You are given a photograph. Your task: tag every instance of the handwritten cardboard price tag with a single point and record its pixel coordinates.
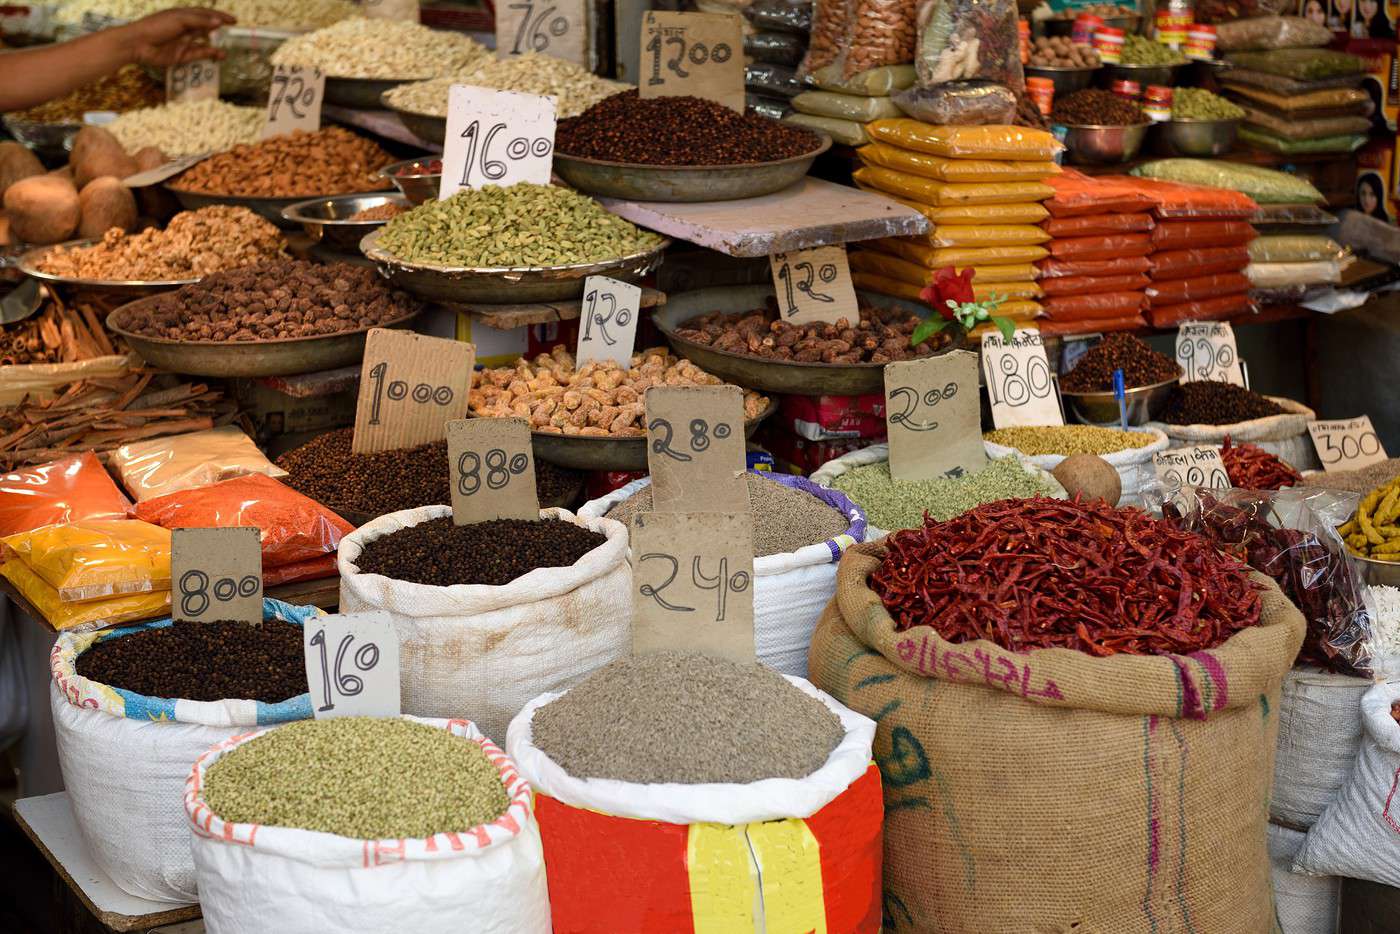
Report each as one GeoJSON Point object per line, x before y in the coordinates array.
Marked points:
{"type": "Point", "coordinates": [692, 583]}
{"type": "Point", "coordinates": [608, 321]}
{"type": "Point", "coordinates": [1206, 351]}
{"type": "Point", "coordinates": [492, 469]}
{"type": "Point", "coordinates": [192, 81]}
{"type": "Point", "coordinates": [294, 100]}
{"type": "Point", "coordinates": [162, 172]}
{"type": "Point", "coordinates": [496, 138]}
{"type": "Point", "coordinates": [699, 54]}
{"type": "Point", "coordinates": [1018, 380]}
{"type": "Point", "coordinates": [695, 448]}
{"type": "Point", "coordinates": [352, 665]}
{"type": "Point", "coordinates": [557, 28]}
{"type": "Point", "coordinates": [1347, 444]}
{"type": "Point", "coordinates": [1199, 466]}
{"type": "Point", "coordinates": [216, 575]}
{"type": "Point", "coordinates": [814, 285]}
{"type": "Point", "coordinates": [392, 9]}
{"type": "Point", "coordinates": [411, 386]}
{"type": "Point", "coordinates": [933, 417]}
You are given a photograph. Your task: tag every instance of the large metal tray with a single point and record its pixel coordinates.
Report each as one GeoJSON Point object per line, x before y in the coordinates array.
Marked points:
{"type": "Point", "coordinates": [360, 93]}
{"type": "Point", "coordinates": [327, 220]}
{"type": "Point", "coordinates": [427, 127]}
{"type": "Point", "coordinates": [672, 183]}
{"type": "Point", "coordinates": [29, 261]}
{"type": "Point", "coordinates": [269, 208]}
{"type": "Point", "coordinates": [285, 357]}
{"type": "Point", "coordinates": [505, 285]}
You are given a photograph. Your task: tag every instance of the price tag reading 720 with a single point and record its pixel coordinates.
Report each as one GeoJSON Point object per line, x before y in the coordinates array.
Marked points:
{"type": "Point", "coordinates": [216, 574]}
{"type": "Point", "coordinates": [496, 138]}
{"type": "Point", "coordinates": [814, 285]}
{"type": "Point", "coordinates": [699, 54]}
{"type": "Point", "coordinates": [294, 100]}
{"type": "Point", "coordinates": [352, 665]}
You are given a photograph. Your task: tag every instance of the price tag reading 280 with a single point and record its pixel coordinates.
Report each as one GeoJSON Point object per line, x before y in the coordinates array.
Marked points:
{"type": "Point", "coordinates": [699, 54]}
{"type": "Point", "coordinates": [1206, 350]}
{"type": "Point", "coordinates": [411, 386]}
{"type": "Point", "coordinates": [692, 583]}
{"type": "Point", "coordinates": [352, 665]}
{"type": "Point", "coordinates": [294, 100]}
{"type": "Point", "coordinates": [496, 138]}
{"type": "Point", "coordinates": [491, 468]}
{"type": "Point", "coordinates": [216, 575]}
{"type": "Point", "coordinates": [695, 448]}
{"type": "Point", "coordinates": [1018, 380]}
{"type": "Point", "coordinates": [814, 285]}
{"type": "Point", "coordinates": [1346, 444]}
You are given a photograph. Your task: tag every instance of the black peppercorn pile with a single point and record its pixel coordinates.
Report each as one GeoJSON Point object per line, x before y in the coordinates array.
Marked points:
{"type": "Point", "coordinates": [678, 131]}
{"type": "Point", "coordinates": [203, 661]}
{"type": "Point", "coordinates": [373, 484]}
{"type": "Point", "coordinates": [1092, 107]}
{"type": "Point", "coordinates": [440, 554]}
{"type": "Point", "coordinates": [1141, 366]}
{"type": "Point", "coordinates": [1215, 403]}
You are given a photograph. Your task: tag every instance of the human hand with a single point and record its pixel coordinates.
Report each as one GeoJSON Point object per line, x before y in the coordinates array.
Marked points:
{"type": "Point", "coordinates": [173, 37]}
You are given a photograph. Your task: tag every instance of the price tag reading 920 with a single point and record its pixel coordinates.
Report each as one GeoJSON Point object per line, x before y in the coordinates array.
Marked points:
{"type": "Point", "coordinates": [1346, 444]}
{"type": "Point", "coordinates": [557, 28]}
{"type": "Point", "coordinates": [695, 448]}
{"type": "Point", "coordinates": [216, 575]}
{"type": "Point", "coordinates": [608, 321]}
{"type": "Point", "coordinates": [692, 583]}
{"type": "Point", "coordinates": [496, 138]}
{"type": "Point", "coordinates": [352, 665]}
{"type": "Point", "coordinates": [1018, 380]}
{"type": "Point", "coordinates": [1206, 351]}
{"type": "Point", "coordinates": [294, 100]}
{"type": "Point", "coordinates": [411, 386]}
{"type": "Point", "coordinates": [814, 285]}
{"type": "Point", "coordinates": [192, 81]}
{"type": "Point", "coordinates": [696, 54]}
{"type": "Point", "coordinates": [492, 469]}
{"type": "Point", "coordinates": [1199, 466]}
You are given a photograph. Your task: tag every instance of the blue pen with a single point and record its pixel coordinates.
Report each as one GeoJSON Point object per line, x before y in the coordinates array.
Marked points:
{"type": "Point", "coordinates": [1121, 395]}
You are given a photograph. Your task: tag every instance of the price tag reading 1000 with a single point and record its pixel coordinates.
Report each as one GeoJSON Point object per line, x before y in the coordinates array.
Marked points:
{"type": "Point", "coordinates": [411, 386]}
{"type": "Point", "coordinates": [496, 138]}
{"type": "Point", "coordinates": [352, 665]}
{"type": "Point", "coordinates": [216, 575]}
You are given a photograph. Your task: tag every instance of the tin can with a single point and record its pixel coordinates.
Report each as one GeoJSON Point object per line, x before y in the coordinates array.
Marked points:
{"type": "Point", "coordinates": [1126, 89]}
{"type": "Point", "coordinates": [1108, 42]}
{"type": "Point", "coordinates": [1173, 22]}
{"type": "Point", "coordinates": [1042, 94]}
{"type": "Point", "coordinates": [1085, 25]}
{"type": "Point", "coordinates": [1023, 32]}
{"type": "Point", "coordinates": [1200, 43]}
{"type": "Point", "coordinates": [1157, 103]}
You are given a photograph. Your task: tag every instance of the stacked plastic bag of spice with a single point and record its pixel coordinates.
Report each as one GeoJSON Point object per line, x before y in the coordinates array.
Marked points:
{"type": "Point", "coordinates": [981, 186]}
{"type": "Point", "coordinates": [1281, 261]}
{"type": "Point", "coordinates": [775, 42]}
{"type": "Point", "coordinates": [841, 107]}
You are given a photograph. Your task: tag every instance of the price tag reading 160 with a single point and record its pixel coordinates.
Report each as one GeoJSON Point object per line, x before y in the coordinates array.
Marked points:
{"type": "Point", "coordinates": [216, 575]}
{"type": "Point", "coordinates": [352, 665]}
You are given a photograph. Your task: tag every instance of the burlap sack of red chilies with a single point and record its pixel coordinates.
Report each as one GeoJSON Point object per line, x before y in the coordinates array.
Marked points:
{"type": "Point", "coordinates": [1052, 791]}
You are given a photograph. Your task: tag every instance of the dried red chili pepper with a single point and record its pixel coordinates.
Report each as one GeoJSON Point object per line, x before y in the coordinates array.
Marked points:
{"type": "Point", "coordinates": [1041, 573]}
{"type": "Point", "coordinates": [1250, 467]}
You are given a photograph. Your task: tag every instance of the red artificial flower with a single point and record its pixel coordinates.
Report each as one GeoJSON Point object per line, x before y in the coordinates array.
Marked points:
{"type": "Point", "coordinates": [949, 285]}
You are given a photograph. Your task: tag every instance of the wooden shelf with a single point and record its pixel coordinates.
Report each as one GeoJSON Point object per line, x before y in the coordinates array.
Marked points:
{"type": "Point", "coordinates": [509, 317]}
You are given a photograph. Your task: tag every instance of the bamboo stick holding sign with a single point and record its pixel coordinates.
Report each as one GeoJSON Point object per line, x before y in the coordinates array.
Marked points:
{"type": "Point", "coordinates": [216, 575]}
{"type": "Point", "coordinates": [695, 449]}
{"type": "Point", "coordinates": [695, 54]}
{"type": "Point", "coordinates": [411, 386]}
{"type": "Point", "coordinates": [492, 469]}
{"type": "Point", "coordinates": [933, 417]}
{"type": "Point", "coordinates": [814, 285]}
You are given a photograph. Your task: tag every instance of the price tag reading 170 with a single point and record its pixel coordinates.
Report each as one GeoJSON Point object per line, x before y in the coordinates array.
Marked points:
{"type": "Point", "coordinates": [1346, 444]}
{"type": "Point", "coordinates": [192, 81]}
{"type": "Point", "coordinates": [216, 575]}
{"type": "Point", "coordinates": [695, 448]}
{"type": "Point", "coordinates": [496, 138]}
{"type": "Point", "coordinates": [557, 28]}
{"type": "Point", "coordinates": [1206, 351]}
{"type": "Point", "coordinates": [699, 54]}
{"type": "Point", "coordinates": [692, 579]}
{"type": "Point", "coordinates": [411, 386]}
{"type": "Point", "coordinates": [294, 100]}
{"type": "Point", "coordinates": [1018, 380]}
{"type": "Point", "coordinates": [1199, 466]}
{"type": "Point", "coordinates": [492, 470]}
{"type": "Point", "coordinates": [352, 665]}
{"type": "Point", "coordinates": [814, 285]}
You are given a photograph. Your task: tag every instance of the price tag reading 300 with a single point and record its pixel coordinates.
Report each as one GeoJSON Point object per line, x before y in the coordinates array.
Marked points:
{"type": "Point", "coordinates": [699, 54]}
{"type": "Point", "coordinates": [352, 665]}
{"type": "Point", "coordinates": [695, 448]}
{"type": "Point", "coordinates": [216, 575]}
{"type": "Point", "coordinates": [814, 285]}
{"type": "Point", "coordinates": [294, 100]}
{"type": "Point", "coordinates": [1018, 380]}
{"type": "Point", "coordinates": [1206, 351]}
{"type": "Point", "coordinates": [1346, 444]}
{"type": "Point", "coordinates": [496, 138]}
{"type": "Point", "coordinates": [411, 386]}
{"type": "Point", "coordinates": [492, 470]}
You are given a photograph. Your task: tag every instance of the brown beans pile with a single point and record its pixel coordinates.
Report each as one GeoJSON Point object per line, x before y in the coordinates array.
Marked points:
{"type": "Point", "coordinates": [1141, 366]}
{"type": "Point", "coordinates": [1060, 52]}
{"type": "Point", "coordinates": [380, 212]}
{"type": "Point", "coordinates": [287, 298]}
{"type": "Point", "coordinates": [203, 661]}
{"type": "Point", "coordinates": [1092, 107]}
{"type": "Point", "coordinates": [880, 336]}
{"type": "Point", "coordinates": [374, 484]}
{"type": "Point", "coordinates": [678, 131]}
{"type": "Point", "coordinates": [331, 161]}
{"type": "Point", "coordinates": [1215, 403]}
{"type": "Point", "coordinates": [128, 88]}
{"type": "Point", "coordinates": [440, 554]}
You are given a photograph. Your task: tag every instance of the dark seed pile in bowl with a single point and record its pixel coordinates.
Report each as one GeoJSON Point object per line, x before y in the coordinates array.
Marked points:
{"type": "Point", "coordinates": [440, 554]}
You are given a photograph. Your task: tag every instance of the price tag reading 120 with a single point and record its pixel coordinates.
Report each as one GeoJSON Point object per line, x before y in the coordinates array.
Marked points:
{"type": "Point", "coordinates": [352, 665]}
{"type": "Point", "coordinates": [692, 583]}
{"type": "Point", "coordinates": [695, 448]}
{"type": "Point", "coordinates": [1018, 380]}
{"type": "Point", "coordinates": [294, 100]}
{"type": "Point", "coordinates": [1346, 444]}
{"type": "Point", "coordinates": [1199, 466]}
{"type": "Point", "coordinates": [216, 575]}
{"type": "Point", "coordinates": [411, 386]}
{"type": "Point", "coordinates": [557, 28]}
{"type": "Point", "coordinates": [814, 285]}
{"type": "Point", "coordinates": [496, 138]}
{"type": "Point", "coordinates": [192, 81]}
{"type": "Point", "coordinates": [608, 321]}
{"type": "Point", "coordinates": [491, 469]}
{"type": "Point", "coordinates": [699, 54]}
{"type": "Point", "coordinates": [1206, 351]}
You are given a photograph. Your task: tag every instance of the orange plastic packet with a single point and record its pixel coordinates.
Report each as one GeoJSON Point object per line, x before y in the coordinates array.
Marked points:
{"type": "Point", "coordinates": [1094, 225]}
{"type": "Point", "coordinates": [1210, 309]}
{"type": "Point", "coordinates": [1201, 234]}
{"type": "Point", "coordinates": [1178, 199]}
{"type": "Point", "coordinates": [1086, 307]}
{"type": "Point", "coordinates": [1053, 328]}
{"type": "Point", "coordinates": [1185, 264]}
{"type": "Point", "coordinates": [1118, 266]}
{"type": "Point", "coordinates": [65, 490]}
{"type": "Point", "coordinates": [1090, 285]}
{"type": "Point", "coordinates": [1134, 244]}
{"type": "Point", "coordinates": [1077, 194]}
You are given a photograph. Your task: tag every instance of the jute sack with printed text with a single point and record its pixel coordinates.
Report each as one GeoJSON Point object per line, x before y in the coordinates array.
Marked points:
{"type": "Point", "coordinates": [1052, 792]}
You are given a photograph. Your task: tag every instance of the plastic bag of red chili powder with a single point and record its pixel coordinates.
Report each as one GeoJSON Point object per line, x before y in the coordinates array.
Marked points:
{"type": "Point", "coordinates": [67, 490]}
{"type": "Point", "coordinates": [1182, 264]}
{"type": "Point", "coordinates": [1176, 291]}
{"type": "Point", "coordinates": [1207, 309]}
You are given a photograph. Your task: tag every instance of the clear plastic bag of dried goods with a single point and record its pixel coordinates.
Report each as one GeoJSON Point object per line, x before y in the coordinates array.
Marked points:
{"type": "Point", "coordinates": [933, 192]}
{"type": "Point", "coordinates": [1133, 244]}
{"type": "Point", "coordinates": [1300, 64]}
{"type": "Point", "coordinates": [847, 132]}
{"type": "Point", "coordinates": [1341, 143]}
{"type": "Point", "coordinates": [774, 108]}
{"type": "Point", "coordinates": [1092, 285]}
{"type": "Point", "coordinates": [1271, 32]}
{"type": "Point", "coordinates": [958, 103]}
{"type": "Point", "coordinates": [164, 465]}
{"type": "Point", "coordinates": [1329, 102]}
{"type": "Point", "coordinates": [1235, 78]}
{"type": "Point", "coordinates": [1224, 11]}
{"type": "Point", "coordinates": [1118, 266]}
{"type": "Point", "coordinates": [1051, 328]}
{"type": "Point", "coordinates": [845, 106]}
{"type": "Point", "coordinates": [1296, 248]}
{"type": "Point", "coordinates": [858, 35]}
{"type": "Point", "coordinates": [1290, 535]}
{"type": "Point", "coordinates": [1295, 128]}
{"type": "Point", "coordinates": [945, 235]}
{"type": "Point", "coordinates": [1182, 264]}
{"type": "Point", "coordinates": [96, 559]}
{"type": "Point", "coordinates": [1305, 215]}
{"type": "Point", "coordinates": [1096, 225]}
{"type": "Point", "coordinates": [772, 80]}
{"type": "Point", "coordinates": [1090, 307]}
{"type": "Point", "coordinates": [873, 82]}
{"type": "Point", "coordinates": [1263, 185]}
{"type": "Point", "coordinates": [1278, 275]}
{"type": "Point", "coordinates": [1199, 234]}
{"type": "Point", "coordinates": [1077, 193]}
{"type": "Point", "coordinates": [782, 16]}
{"type": "Point", "coordinates": [774, 48]}
{"type": "Point", "coordinates": [1177, 199]}
{"type": "Point", "coordinates": [963, 39]}
{"type": "Point", "coordinates": [66, 490]}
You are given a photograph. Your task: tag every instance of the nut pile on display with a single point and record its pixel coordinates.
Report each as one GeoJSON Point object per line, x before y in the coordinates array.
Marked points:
{"type": "Point", "coordinates": [330, 161]}
{"type": "Point", "coordinates": [880, 336]}
{"type": "Point", "coordinates": [439, 553]}
{"type": "Point", "coordinates": [188, 128]}
{"type": "Point", "coordinates": [381, 48]}
{"type": "Point", "coordinates": [575, 88]}
{"type": "Point", "coordinates": [1092, 107]}
{"type": "Point", "coordinates": [126, 89]}
{"type": "Point", "coordinates": [598, 400]}
{"type": "Point", "coordinates": [1060, 52]}
{"type": "Point", "coordinates": [280, 299]}
{"type": "Point", "coordinates": [196, 243]}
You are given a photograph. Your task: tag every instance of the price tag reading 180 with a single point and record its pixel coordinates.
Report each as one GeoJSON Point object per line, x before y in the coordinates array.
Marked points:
{"type": "Point", "coordinates": [192, 81]}
{"type": "Point", "coordinates": [695, 448]}
{"type": "Point", "coordinates": [294, 100]}
{"type": "Point", "coordinates": [492, 470]}
{"type": "Point", "coordinates": [1206, 351]}
{"type": "Point", "coordinates": [692, 583]}
{"type": "Point", "coordinates": [1018, 380]}
{"type": "Point", "coordinates": [411, 386]}
{"type": "Point", "coordinates": [557, 28]}
{"type": "Point", "coordinates": [1346, 444]}
{"type": "Point", "coordinates": [496, 138]}
{"type": "Point", "coordinates": [352, 665]}
{"type": "Point", "coordinates": [699, 54]}
{"type": "Point", "coordinates": [814, 285]}
{"type": "Point", "coordinates": [216, 575]}
{"type": "Point", "coordinates": [1199, 466]}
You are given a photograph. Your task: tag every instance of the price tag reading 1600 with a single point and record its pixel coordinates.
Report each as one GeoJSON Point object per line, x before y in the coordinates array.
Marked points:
{"type": "Point", "coordinates": [496, 138]}
{"type": "Point", "coordinates": [216, 574]}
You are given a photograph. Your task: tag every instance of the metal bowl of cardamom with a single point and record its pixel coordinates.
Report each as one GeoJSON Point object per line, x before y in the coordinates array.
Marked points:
{"type": "Point", "coordinates": [505, 285]}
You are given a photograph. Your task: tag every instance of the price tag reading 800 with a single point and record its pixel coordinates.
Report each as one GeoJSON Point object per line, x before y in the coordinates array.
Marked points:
{"type": "Point", "coordinates": [352, 665]}
{"type": "Point", "coordinates": [496, 138]}
{"type": "Point", "coordinates": [1018, 380]}
{"type": "Point", "coordinates": [216, 574]}
{"type": "Point", "coordinates": [1207, 351]}
{"type": "Point", "coordinates": [1199, 466]}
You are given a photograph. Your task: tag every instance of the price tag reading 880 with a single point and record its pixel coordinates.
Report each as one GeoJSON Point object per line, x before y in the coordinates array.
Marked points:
{"type": "Point", "coordinates": [695, 448]}
{"type": "Point", "coordinates": [697, 54]}
{"type": "Point", "coordinates": [493, 470]}
{"type": "Point", "coordinates": [294, 100]}
{"type": "Point", "coordinates": [1346, 444]}
{"type": "Point", "coordinates": [216, 575]}
{"type": "Point", "coordinates": [557, 28]}
{"type": "Point", "coordinates": [192, 81]}
{"type": "Point", "coordinates": [1199, 466]}
{"type": "Point", "coordinates": [1018, 380]}
{"type": "Point", "coordinates": [496, 138]}
{"type": "Point", "coordinates": [1206, 351]}
{"type": "Point", "coordinates": [352, 665]}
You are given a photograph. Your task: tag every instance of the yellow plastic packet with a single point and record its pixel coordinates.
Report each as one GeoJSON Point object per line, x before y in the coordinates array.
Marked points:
{"type": "Point", "coordinates": [1017, 309]}
{"type": "Point", "coordinates": [1328, 99]}
{"type": "Point", "coordinates": [1030, 212]}
{"type": "Point", "coordinates": [938, 193]}
{"type": "Point", "coordinates": [944, 235]}
{"type": "Point", "coordinates": [96, 559]}
{"type": "Point", "coordinates": [880, 263]}
{"type": "Point", "coordinates": [936, 257]}
{"type": "Point", "coordinates": [96, 613]}
{"type": "Point", "coordinates": [955, 170]}
{"type": "Point", "coordinates": [1006, 290]}
{"type": "Point", "coordinates": [968, 142]}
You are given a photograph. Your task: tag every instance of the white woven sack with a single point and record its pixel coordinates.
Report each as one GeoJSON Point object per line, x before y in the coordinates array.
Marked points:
{"type": "Point", "coordinates": [1319, 733]}
{"type": "Point", "coordinates": [478, 651]}
{"type": "Point", "coordinates": [1304, 904]}
{"type": "Point", "coordinates": [790, 590]}
{"type": "Point", "coordinates": [1358, 836]}
{"type": "Point", "coordinates": [1134, 466]}
{"type": "Point", "coordinates": [256, 879]}
{"type": "Point", "coordinates": [722, 803]}
{"type": "Point", "coordinates": [1285, 436]}
{"type": "Point", "coordinates": [125, 758]}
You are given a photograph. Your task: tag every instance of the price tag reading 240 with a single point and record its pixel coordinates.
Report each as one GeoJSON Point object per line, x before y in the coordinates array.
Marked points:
{"type": "Point", "coordinates": [1199, 466]}
{"type": "Point", "coordinates": [216, 575]}
{"type": "Point", "coordinates": [411, 386]}
{"type": "Point", "coordinates": [1206, 350]}
{"type": "Point", "coordinates": [695, 448]}
{"type": "Point", "coordinates": [557, 28]}
{"type": "Point", "coordinates": [294, 100]}
{"type": "Point", "coordinates": [692, 583]}
{"type": "Point", "coordinates": [352, 665]}
{"type": "Point", "coordinates": [699, 54]}
{"type": "Point", "coordinates": [1018, 380]}
{"type": "Point", "coordinates": [814, 285]}
{"type": "Point", "coordinates": [496, 138]}
{"type": "Point", "coordinates": [492, 470]}
{"type": "Point", "coordinates": [192, 81]}
{"type": "Point", "coordinates": [1346, 444]}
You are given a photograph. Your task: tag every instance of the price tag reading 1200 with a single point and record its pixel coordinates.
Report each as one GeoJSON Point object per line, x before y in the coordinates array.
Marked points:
{"type": "Point", "coordinates": [491, 469]}
{"type": "Point", "coordinates": [1346, 444]}
{"type": "Point", "coordinates": [692, 583]}
{"type": "Point", "coordinates": [294, 100]}
{"type": "Point", "coordinates": [1206, 351]}
{"type": "Point", "coordinates": [216, 575]}
{"type": "Point", "coordinates": [814, 285]}
{"type": "Point", "coordinates": [496, 138]}
{"type": "Point", "coordinates": [192, 81]}
{"type": "Point", "coordinates": [352, 665]}
{"type": "Point", "coordinates": [557, 28]}
{"type": "Point", "coordinates": [695, 448]}
{"type": "Point", "coordinates": [1018, 380]}
{"type": "Point", "coordinates": [411, 386]}
{"type": "Point", "coordinates": [699, 54]}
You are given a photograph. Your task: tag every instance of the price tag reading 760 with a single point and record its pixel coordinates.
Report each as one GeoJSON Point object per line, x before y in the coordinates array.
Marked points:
{"type": "Point", "coordinates": [692, 576]}
{"type": "Point", "coordinates": [352, 665]}
{"type": "Point", "coordinates": [695, 448]}
{"type": "Point", "coordinates": [699, 54]}
{"type": "Point", "coordinates": [216, 575]}
{"type": "Point", "coordinates": [411, 386]}
{"type": "Point", "coordinates": [557, 28]}
{"type": "Point", "coordinates": [1346, 444]}
{"type": "Point", "coordinates": [294, 100]}
{"type": "Point", "coordinates": [496, 138]}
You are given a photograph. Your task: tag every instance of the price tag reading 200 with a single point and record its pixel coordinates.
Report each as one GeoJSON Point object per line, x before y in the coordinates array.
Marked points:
{"type": "Point", "coordinates": [696, 54]}
{"type": "Point", "coordinates": [352, 665]}
{"type": "Point", "coordinates": [695, 448]}
{"type": "Point", "coordinates": [411, 386]}
{"type": "Point", "coordinates": [1018, 380]}
{"type": "Point", "coordinates": [294, 100]}
{"type": "Point", "coordinates": [692, 580]}
{"type": "Point", "coordinates": [216, 575]}
{"type": "Point", "coordinates": [496, 138]}
{"type": "Point", "coordinates": [492, 470]}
